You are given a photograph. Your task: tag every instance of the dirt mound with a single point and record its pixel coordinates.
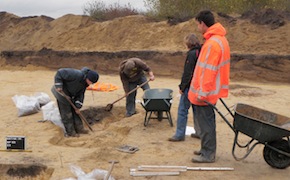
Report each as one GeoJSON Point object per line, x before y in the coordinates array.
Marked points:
{"type": "Point", "coordinates": [258, 42]}
{"type": "Point", "coordinates": [267, 17]}
{"type": "Point", "coordinates": [135, 33]}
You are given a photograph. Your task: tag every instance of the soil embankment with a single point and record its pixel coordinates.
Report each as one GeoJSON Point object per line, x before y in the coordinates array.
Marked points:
{"type": "Point", "coordinates": [259, 47]}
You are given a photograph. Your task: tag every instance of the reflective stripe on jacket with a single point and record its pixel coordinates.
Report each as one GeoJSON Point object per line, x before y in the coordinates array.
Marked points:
{"type": "Point", "coordinates": [211, 75]}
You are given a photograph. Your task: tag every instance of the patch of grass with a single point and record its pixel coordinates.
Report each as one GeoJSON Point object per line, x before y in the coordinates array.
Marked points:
{"type": "Point", "coordinates": [102, 12]}
{"type": "Point", "coordinates": [182, 10]}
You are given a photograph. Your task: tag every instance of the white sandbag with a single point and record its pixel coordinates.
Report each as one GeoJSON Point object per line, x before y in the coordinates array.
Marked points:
{"type": "Point", "coordinates": [51, 113]}
{"type": "Point", "coordinates": [96, 174]}
{"type": "Point", "coordinates": [47, 110]}
{"type": "Point", "coordinates": [26, 105]}
{"type": "Point", "coordinates": [42, 98]}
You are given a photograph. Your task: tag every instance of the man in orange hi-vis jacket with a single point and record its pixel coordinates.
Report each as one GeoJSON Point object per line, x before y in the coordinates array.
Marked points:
{"type": "Point", "coordinates": [210, 82]}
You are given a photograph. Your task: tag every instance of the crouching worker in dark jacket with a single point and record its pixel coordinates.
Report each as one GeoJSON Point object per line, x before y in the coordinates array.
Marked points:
{"type": "Point", "coordinates": [73, 83]}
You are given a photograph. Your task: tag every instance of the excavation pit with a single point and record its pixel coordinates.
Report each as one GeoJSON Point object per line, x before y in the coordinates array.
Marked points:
{"type": "Point", "coordinates": [25, 171]}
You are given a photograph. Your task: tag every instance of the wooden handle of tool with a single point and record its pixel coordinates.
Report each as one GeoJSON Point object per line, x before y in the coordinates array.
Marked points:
{"type": "Point", "coordinates": [132, 91]}
{"type": "Point", "coordinates": [109, 172]}
{"type": "Point", "coordinates": [76, 109]}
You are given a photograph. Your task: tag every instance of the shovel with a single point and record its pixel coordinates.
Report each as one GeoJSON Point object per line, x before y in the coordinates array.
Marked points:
{"type": "Point", "coordinates": [75, 108]}
{"type": "Point", "coordinates": [110, 106]}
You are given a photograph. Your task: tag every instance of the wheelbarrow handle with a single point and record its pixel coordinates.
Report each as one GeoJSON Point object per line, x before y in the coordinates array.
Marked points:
{"type": "Point", "coordinates": [227, 107]}
{"type": "Point", "coordinates": [223, 117]}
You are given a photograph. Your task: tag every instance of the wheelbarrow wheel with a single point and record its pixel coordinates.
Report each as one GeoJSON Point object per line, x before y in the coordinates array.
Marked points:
{"type": "Point", "coordinates": [274, 158]}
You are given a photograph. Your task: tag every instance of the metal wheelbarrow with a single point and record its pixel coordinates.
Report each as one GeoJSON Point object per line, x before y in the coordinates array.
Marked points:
{"type": "Point", "coordinates": [263, 127]}
{"type": "Point", "coordinates": [158, 101]}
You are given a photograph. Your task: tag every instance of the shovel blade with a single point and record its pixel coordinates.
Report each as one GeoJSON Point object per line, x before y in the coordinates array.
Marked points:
{"type": "Point", "coordinates": [109, 107]}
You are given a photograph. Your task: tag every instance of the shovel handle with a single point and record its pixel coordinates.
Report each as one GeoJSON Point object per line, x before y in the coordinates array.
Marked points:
{"type": "Point", "coordinates": [76, 109]}
{"type": "Point", "coordinates": [130, 92]}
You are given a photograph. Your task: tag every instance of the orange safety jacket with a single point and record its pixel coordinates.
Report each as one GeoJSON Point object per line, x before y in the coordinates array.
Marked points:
{"type": "Point", "coordinates": [211, 75]}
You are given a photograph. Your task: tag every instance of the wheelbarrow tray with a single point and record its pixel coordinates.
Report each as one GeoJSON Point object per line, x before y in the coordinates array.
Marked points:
{"type": "Point", "coordinates": [262, 125]}
{"type": "Point", "coordinates": [157, 99]}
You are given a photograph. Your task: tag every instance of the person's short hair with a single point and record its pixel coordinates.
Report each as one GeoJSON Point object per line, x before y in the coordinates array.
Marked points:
{"type": "Point", "coordinates": [206, 17]}
{"type": "Point", "coordinates": [191, 41]}
{"type": "Point", "coordinates": [129, 65]}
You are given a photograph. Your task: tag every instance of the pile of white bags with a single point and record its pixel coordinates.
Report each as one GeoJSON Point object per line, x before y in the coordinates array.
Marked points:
{"type": "Point", "coordinates": [27, 105]}
{"type": "Point", "coordinates": [93, 175]}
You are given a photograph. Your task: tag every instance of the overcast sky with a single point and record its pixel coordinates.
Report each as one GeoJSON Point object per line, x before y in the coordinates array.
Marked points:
{"type": "Point", "coordinates": [57, 8]}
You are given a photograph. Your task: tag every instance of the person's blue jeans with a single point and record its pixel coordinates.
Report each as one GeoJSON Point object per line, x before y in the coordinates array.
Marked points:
{"type": "Point", "coordinates": [206, 121]}
{"type": "Point", "coordinates": [131, 98]}
{"type": "Point", "coordinates": [182, 115]}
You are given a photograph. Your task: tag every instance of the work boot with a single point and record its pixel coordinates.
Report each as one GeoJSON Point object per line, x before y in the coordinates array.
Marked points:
{"type": "Point", "coordinates": [129, 115]}
{"type": "Point", "coordinates": [175, 139]}
{"type": "Point", "coordinates": [202, 159]}
{"type": "Point", "coordinates": [194, 135]}
{"type": "Point", "coordinates": [83, 131]}
{"type": "Point", "coordinates": [71, 135]}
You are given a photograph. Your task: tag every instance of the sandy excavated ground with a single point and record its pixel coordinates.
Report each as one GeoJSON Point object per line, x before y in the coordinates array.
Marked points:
{"type": "Point", "coordinates": [94, 151]}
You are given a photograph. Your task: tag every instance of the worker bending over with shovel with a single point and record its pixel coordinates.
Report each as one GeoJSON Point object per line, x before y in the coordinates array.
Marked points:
{"type": "Point", "coordinates": [132, 75]}
{"type": "Point", "coordinates": [69, 90]}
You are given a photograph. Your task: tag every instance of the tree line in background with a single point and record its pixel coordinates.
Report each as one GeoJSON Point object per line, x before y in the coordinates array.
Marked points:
{"type": "Point", "coordinates": [180, 9]}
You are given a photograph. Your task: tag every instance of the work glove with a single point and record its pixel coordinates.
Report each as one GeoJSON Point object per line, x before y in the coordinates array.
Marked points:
{"type": "Point", "coordinates": [78, 104]}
